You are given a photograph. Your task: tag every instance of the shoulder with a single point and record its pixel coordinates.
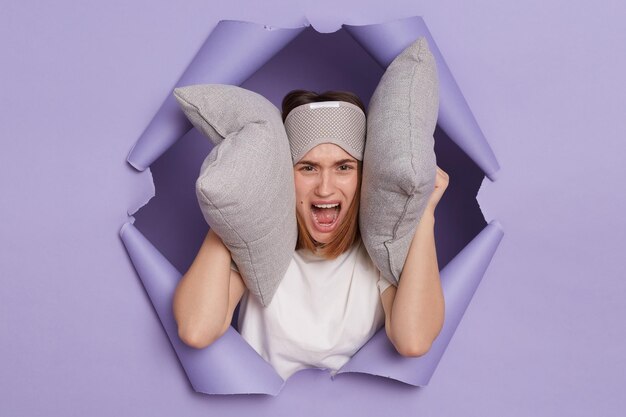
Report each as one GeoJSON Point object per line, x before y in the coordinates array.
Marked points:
{"type": "Point", "coordinates": [363, 255]}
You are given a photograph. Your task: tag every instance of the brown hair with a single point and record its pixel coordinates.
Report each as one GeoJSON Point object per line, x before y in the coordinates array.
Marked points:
{"type": "Point", "coordinates": [348, 230]}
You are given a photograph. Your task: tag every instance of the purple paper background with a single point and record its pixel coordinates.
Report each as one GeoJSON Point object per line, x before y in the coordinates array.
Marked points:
{"type": "Point", "coordinates": [544, 333]}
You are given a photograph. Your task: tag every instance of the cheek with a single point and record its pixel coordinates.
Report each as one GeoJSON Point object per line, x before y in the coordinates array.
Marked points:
{"type": "Point", "coordinates": [349, 185]}
{"type": "Point", "coordinates": [302, 207]}
{"type": "Point", "coordinates": [301, 194]}
{"type": "Point", "coordinates": [304, 187]}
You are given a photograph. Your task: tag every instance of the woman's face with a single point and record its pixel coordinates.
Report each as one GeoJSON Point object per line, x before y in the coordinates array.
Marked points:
{"type": "Point", "coordinates": [326, 179]}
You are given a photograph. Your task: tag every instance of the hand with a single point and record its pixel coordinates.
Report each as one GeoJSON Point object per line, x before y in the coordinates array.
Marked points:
{"type": "Point", "coordinates": [441, 183]}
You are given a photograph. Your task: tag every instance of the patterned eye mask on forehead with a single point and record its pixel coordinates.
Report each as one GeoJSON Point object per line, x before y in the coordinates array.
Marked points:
{"type": "Point", "coordinates": [337, 122]}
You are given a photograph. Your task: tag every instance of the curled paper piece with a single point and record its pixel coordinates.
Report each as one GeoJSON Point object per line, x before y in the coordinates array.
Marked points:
{"type": "Point", "coordinates": [230, 365]}
{"type": "Point", "coordinates": [231, 54]}
{"type": "Point", "coordinates": [459, 281]}
{"type": "Point", "coordinates": [385, 41]}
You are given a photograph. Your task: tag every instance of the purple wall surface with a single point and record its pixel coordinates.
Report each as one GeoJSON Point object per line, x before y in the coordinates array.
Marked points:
{"type": "Point", "coordinates": [542, 335]}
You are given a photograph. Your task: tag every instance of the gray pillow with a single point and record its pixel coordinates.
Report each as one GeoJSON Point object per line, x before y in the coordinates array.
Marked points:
{"type": "Point", "coordinates": [245, 188]}
{"type": "Point", "coordinates": [399, 163]}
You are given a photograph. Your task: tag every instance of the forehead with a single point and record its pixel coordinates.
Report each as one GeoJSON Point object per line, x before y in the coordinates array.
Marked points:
{"type": "Point", "coordinates": [327, 152]}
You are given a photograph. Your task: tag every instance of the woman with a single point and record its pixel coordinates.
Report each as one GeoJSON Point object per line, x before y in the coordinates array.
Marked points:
{"type": "Point", "coordinates": [332, 298]}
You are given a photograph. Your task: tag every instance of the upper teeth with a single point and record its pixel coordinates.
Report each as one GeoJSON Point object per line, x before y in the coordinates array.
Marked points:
{"type": "Point", "coordinates": [326, 205]}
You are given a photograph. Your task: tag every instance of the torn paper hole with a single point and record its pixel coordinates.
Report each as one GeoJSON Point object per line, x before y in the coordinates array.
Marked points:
{"type": "Point", "coordinates": [232, 54]}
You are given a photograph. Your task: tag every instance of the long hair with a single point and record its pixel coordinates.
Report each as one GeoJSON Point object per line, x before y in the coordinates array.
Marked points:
{"type": "Point", "coordinates": [347, 231]}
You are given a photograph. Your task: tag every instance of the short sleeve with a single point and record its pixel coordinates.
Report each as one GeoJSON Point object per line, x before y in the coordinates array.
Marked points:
{"type": "Point", "coordinates": [382, 284]}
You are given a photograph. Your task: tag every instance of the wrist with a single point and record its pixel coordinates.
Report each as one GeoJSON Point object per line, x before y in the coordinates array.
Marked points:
{"type": "Point", "coordinates": [428, 215]}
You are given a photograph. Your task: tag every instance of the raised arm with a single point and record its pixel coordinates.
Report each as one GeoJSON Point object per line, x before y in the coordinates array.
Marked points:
{"type": "Point", "coordinates": [207, 295]}
{"type": "Point", "coordinates": [414, 311]}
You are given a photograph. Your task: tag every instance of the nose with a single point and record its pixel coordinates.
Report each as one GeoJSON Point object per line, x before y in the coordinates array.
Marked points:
{"type": "Point", "coordinates": [325, 185]}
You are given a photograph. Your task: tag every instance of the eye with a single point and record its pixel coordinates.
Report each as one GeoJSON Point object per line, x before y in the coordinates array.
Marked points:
{"type": "Point", "coordinates": [306, 168]}
{"type": "Point", "coordinates": [345, 167]}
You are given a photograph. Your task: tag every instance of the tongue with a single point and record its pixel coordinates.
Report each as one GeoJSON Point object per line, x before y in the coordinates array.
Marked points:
{"type": "Point", "coordinates": [325, 215]}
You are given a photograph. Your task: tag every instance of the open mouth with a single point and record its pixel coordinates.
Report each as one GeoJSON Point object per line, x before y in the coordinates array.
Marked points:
{"type": "Point", "coordinates": [325, 216]}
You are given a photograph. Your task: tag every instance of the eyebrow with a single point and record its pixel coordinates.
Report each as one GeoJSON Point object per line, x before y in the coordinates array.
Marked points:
{"type": "Point", "coordinates": [315, 164]}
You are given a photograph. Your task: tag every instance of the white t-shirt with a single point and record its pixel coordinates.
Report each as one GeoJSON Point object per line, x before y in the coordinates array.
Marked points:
{"type": "Point", "coordinates": [321, 314]}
